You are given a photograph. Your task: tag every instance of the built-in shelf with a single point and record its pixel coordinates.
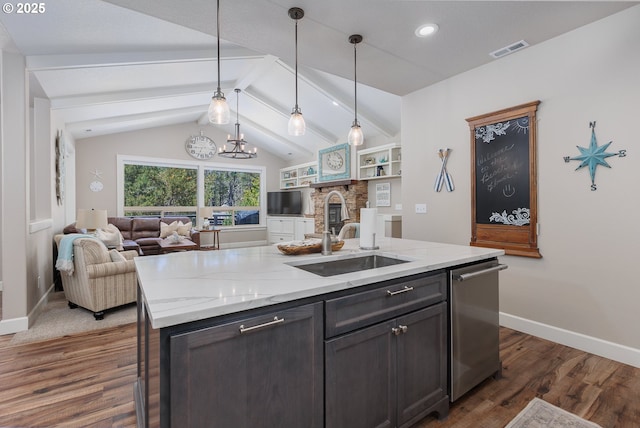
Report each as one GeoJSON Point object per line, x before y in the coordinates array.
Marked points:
{"type": "Point", "coordinates": [296, 176]}
{"type": "Point", "coordinates": [382, 162]}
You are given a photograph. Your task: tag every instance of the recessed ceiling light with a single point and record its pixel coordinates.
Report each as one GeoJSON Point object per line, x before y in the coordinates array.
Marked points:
{"type": "Point", "coordinates": [426, 30]}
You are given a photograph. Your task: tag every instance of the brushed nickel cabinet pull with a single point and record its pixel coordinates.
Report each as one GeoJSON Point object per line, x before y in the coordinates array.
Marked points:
{"type": "Point", "coordinates": [404, 290]}
{"type": "Point", "coordinates": [275, 321]}
{"type": "Point", "coordinates": [400, 329]}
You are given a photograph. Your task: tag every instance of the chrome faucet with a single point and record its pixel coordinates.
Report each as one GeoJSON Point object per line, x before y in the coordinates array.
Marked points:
{"type": "Point", "coordinates": [326, 235]}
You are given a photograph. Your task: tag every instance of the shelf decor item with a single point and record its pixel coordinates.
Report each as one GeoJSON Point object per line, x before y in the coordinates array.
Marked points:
{"type": "Point", "coordinates": [594, 155]}
{"type": "Point", "coordinates": [444, 176]}
{"type": "Point", "coordinates": [335, 163]}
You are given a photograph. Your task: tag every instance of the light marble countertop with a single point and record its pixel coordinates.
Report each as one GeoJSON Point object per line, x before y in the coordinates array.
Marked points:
{"type": "Point", "coordinates": [194, 285]}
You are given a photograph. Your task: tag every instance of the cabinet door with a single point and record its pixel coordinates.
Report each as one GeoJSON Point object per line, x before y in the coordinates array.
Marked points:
{"type": "Point", "coordinates": [269, 376]}
{"type": "Point", "coordinates": [421, 362]}
{"type": "Point", "coordinates": [360, 379]}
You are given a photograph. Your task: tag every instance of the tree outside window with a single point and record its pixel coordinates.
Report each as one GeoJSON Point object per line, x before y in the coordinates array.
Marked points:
{"type": "Point", "coordinates": [158, 190]}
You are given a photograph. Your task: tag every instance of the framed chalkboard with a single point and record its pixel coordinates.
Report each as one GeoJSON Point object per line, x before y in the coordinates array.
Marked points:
{"type": "Point", "coordinates": [503, 180]}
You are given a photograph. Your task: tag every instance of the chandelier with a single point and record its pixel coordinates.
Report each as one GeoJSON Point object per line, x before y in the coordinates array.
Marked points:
{"type": "Point", "coordinates": [238, 149]}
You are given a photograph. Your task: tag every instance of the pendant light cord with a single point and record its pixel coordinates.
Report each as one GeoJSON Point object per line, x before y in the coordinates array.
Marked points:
{"type": "Point", "coordinates": [218, 40]}
{"type": "Point", "coordinates": [296, 107]}
{"type": "Point", "coordinates": [355, 83]}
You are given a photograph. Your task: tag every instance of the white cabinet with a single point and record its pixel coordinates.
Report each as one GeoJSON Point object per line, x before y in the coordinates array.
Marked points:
{"type": "Point", "coordinates": [379, 162]}
{"type": "Point", "coordinates": [299, 175]}
{"type": "Point", "coordinates": [303, 225]}
{"type": "Point", "coordinates": [284, 229]}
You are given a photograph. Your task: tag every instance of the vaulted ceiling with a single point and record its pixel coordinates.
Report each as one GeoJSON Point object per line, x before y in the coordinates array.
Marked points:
{"type": "Point", "coordinates": [119, 65]}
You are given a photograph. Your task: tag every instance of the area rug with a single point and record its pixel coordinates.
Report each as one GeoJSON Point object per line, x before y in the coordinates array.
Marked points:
{"type": "Point", "coordinates": [58, 320]}
{"type": "Point", "coordinates": [540, 414]}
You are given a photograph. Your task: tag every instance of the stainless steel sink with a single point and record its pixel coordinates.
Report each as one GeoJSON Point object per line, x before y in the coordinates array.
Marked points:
{"type": "Point", "coordinates": [349, 265]}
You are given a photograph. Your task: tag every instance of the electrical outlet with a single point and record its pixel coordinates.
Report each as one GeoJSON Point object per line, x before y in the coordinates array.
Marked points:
{"type": "Point", "coordinates": [421, 208]}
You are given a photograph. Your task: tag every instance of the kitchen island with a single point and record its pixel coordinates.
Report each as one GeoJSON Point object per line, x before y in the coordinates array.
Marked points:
{"type": "Point", "coordinates": [242, 337]}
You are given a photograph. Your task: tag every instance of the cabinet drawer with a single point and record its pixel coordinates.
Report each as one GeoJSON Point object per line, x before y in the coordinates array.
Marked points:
{"type": "Point", "coordinates": [383, 301]}
{"type": "Point", "coordinates": [275, 238]}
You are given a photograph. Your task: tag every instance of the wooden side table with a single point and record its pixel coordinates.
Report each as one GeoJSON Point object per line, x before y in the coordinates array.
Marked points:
{"type": "Point", "coordinates": [215, 243]}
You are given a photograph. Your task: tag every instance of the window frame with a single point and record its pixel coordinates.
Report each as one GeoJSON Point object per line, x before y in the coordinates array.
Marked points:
{"type": "Point", "coordinates": [200, 166]}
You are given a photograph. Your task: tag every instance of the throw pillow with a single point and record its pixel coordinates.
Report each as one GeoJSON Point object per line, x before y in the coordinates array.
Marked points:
{"type": "Point", "coordinates": [184, 229]}
{"type": "Point", "coordinates": [168, 229]}
{"type": "Point", "coordinates": [116, 256]}
{"type": "Point", "coordinates": [111, 236]}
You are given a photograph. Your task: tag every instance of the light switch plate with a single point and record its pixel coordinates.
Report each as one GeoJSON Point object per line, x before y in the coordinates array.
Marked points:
{"type": "Point", "coordinates": [421, 208]}
{"type": "Point", "coordinates": [398, 207]}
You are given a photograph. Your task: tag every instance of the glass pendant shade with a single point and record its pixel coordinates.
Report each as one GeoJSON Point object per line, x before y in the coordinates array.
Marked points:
{"type": "Point", "coordinates": [218, 110]}
{"type": "Point", "coordinates": [296, 126]}
{"type": "Point", "coordinates": [356, 137]}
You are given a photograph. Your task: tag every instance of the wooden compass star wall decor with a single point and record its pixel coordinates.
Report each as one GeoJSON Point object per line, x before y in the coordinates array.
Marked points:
{"type": "Point", "coordinates": [594, 155]}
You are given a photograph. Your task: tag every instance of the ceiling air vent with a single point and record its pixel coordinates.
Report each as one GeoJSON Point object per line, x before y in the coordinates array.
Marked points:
{"type": "Point", "coordinates": [509, 49]}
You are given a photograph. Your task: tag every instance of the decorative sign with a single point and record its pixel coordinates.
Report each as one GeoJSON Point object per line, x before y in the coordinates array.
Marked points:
{"type": "Point", "coordinates": [383, 194]}
{"type": "Point", "coordinates": [594, 155]}
{"type": "Point", "coordinates": [503, 180]}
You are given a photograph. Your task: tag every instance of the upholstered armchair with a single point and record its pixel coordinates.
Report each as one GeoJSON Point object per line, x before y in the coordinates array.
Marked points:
{"type": "Point", "coordinates": [100, 279]}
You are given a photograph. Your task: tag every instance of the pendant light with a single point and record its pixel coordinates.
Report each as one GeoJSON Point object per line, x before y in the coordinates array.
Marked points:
{"type": "Point", "coordinates": [355, 138]}
{"type": "Point", "coordinates": [218, 109]}
{"type": "Point", "coordinates": [296, 121]}
{"type": "Point", "coordinates": [237, 150]}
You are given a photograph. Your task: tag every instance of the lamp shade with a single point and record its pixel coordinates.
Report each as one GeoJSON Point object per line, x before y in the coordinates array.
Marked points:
{"type": "Point", "coordinates": [91, 219]}
{"type": "Point", "coordinates": [218, 112]}
{"type": "Point", "coordinates": [205, 212]}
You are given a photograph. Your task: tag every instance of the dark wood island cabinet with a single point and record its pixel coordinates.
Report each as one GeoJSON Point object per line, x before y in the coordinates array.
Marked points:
{"type": "Point", "coordinates": [224, 346]}
{"type": "Point", "coordinates": [268, 367]}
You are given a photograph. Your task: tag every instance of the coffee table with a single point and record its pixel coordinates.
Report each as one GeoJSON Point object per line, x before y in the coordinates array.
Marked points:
{"type": "Point", "coordinates": [167, 246]}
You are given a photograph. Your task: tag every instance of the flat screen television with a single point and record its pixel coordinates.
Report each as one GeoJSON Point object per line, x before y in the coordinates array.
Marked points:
{"type": "Point", "coordinates": [284, 203]}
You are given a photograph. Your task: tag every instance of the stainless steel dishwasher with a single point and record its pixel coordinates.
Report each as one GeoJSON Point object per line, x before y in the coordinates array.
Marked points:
{"type": "Point", "coordinates": [475, 352]}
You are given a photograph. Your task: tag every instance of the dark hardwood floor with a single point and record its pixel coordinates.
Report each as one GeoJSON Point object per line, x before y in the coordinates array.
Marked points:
{"type": "Point", "coordinates": [87, 380]}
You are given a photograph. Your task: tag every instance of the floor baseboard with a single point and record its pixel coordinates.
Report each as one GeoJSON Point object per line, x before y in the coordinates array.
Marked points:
{"type": "Point", "coordinates": [613, 351]}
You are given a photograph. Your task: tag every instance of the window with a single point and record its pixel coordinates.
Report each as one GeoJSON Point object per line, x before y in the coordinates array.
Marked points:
{"type": "Point", "coordinates": [230, 197]}
{"type": "Point", "coordinates": [234, 196]}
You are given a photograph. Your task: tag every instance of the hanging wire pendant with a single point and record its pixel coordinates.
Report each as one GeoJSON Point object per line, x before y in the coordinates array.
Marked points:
{"type": "Point", "coordinates": [355, 137]}
{"type": "Point", "coordinates": [296, 126]}
{"type": "Point", "coordinates": [218, 112]}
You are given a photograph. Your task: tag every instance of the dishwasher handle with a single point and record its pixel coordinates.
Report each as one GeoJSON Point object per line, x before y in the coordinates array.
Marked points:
{"type": "Point", "coordinates": [465, 276]}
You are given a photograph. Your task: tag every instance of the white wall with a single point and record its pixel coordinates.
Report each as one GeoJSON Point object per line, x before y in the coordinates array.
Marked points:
{"type": "Point", "coordinates": [586, 281]}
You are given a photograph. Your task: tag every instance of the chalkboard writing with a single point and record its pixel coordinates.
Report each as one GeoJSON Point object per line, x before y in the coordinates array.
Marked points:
{"type": "Point", "coordinates": [502, 172]}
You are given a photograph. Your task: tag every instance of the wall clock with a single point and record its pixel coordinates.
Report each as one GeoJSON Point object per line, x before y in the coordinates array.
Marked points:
{"type": "Point", "coordinates": [200, 147]}
{"type": "Point", "coordinates": [96, 186]}
{"type": "Point", "coordinates": [334, 163]}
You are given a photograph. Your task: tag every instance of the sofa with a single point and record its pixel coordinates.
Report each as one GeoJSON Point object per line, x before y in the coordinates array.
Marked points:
{"type": "Point", "coordinates": [144, 234]}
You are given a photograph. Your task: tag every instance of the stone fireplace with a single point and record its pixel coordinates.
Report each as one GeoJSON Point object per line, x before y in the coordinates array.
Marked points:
{"type": "Point", "coordinates": [355, 193]}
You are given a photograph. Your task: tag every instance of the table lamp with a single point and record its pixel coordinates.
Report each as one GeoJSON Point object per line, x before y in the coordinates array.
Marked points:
{"type": "Point", "coordinates": [91, 220]}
